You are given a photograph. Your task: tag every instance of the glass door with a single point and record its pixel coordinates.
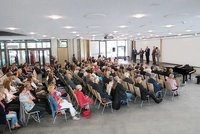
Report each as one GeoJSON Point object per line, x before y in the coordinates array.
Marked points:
{"type": "Point", "coordinates": [17, 56]}
{"type": "Point", "coordinates": [121, 50]}
{"type": "Point", "coordinates": [41, 56]}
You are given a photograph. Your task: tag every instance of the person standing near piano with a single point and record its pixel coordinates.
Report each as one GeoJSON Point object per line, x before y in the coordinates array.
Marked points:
{"type": "Point", "coordinates": [147, 54]}
{"type": "Point", "coordinates": [157, 55]}
{"type": "Point", "coordinates": [154, 55]}
{"type": "Point", "coordinates": [134, 54]}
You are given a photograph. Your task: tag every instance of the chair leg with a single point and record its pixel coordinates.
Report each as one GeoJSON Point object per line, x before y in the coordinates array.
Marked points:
{"type": "Point", "coordinates": [99, 105]}
{"type": "Point", "coordinates": [141, 103]}
{"type": "Point", "coordinates": [8, 122]}
{"type": "Point", "coordinates": [54, 119]}
{"type": "Point", "coordinates": [65, 117]}
{"type": "Point", "coordinates": [111, 107]}
{"type": "Point", "coordinates": [103, 109]}
{"type": "Point", "coordinates": [38, 116]}
{"type": "Point", "coordinates": [27, 119]}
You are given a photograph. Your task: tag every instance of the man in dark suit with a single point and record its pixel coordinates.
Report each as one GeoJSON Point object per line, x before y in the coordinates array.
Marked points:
{"type": "Point", "coordinates": [134, 54]}
{"type": "Point", "coordinates": [147, 54]}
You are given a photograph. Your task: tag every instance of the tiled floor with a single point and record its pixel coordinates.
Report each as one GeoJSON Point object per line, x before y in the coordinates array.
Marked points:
{"type": "Point", "coordinates": [180, 116]}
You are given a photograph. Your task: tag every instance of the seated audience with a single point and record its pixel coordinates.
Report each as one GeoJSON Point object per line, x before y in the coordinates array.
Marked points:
{"type": "Point", "coordinates": [173, 84]}
{"type": "Point", "coordinates": [62, 103]}
{"type": "Point", "coordinates": [156, 85]}
{"type": "Point", "coordinates": [27, 99]}
{"type": "Point", "coordinates": [83, 100]}
{"type": "Point", "coordinates": [5, 114]}
{"type": "Point", "coordinates": [144, 92]}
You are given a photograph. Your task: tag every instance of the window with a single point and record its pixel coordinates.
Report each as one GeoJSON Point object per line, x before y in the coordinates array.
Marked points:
{"type": "Point", "coordinates": [46, 44]}
{"type": "Point", "coordinates": [94, 49]}
{"type": "Point", "coordinates": [102, 48]}
{"type": "Point", "coordinates": [2, 45]}
{"type": "Point", "coordinates": [15, 45]}
{"type": "Point", "coordinates": [63, 43]}
{"type": "Point", "coordinates": [31, 44]}
{"type": "Point", "coordinates": [111, 49]}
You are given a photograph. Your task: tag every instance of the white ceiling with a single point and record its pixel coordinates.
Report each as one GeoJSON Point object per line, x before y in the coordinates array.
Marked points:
{"type": "Point", "coordinates": [99, 17]}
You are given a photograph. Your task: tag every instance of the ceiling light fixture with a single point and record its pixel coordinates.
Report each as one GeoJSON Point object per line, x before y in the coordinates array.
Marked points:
{"type": "Point", "coordinates": [32, 33]}
{"type": "Point", "coordinates": [150, 31]}
{"type": "Point", "coordinates": [78, 35]}
{"type": "Point", "coordinates": [74, 32]}
{"type": "Point", "coordinates": [68, 27]}
{"type": "Point", "coordinates": [170, 33]}
{"type": "Point", "coordinates": [188, 30]}
{"type": "Point", "coordinates": [115, 31]}
{"type": "Point", "coordinates": [138, 34]}
{"type": "Point", "coordinates": [55, 17]}
{"type": "Point", "coordinates": [44, 35]}
{"type": "Point", "coordinates": [123, 26]}
{"type": "Point", "coordinates": [12, 28]}
{"type": "Point", "coordinates": [138, 16]}
{"type": "Point", "coordinates": [169, 26]}
{"type": "Point", "coordinates": [93, 35]}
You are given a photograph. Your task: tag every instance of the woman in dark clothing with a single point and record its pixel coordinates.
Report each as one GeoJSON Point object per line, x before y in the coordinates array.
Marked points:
{"type": "Point", "coordinates": [144, 91]}
{"type": "Point", "coordinates": [5, 114]}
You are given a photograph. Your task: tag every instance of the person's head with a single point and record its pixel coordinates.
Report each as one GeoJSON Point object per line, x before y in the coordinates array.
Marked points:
{"type": "Point", "coordinates": [96, 80]}
{"type": "Point", "coordinates": [51, 88]}
{"type": "Point", "coordinates": [139, 80]}
{"type": "Point", "coordinates": [171, 76]}
{"type": "Point", "coordinates": [126, 74]}
{"type": "Point", "coordinates": [79, 87]}
{"type": "Point", "coordinates": [117, 79]}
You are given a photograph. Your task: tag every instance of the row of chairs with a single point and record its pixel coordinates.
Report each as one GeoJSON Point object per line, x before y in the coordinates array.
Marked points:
{"type": "Point", "coordinates": [98, 98]}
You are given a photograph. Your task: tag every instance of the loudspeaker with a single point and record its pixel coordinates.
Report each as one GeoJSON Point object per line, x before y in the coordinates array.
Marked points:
{"type": "Point", "coordinates": [113, 49]}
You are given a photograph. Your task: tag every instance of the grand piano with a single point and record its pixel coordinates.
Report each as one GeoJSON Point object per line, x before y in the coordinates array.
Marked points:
{"type": "Point", "coordinates": [185, 71]}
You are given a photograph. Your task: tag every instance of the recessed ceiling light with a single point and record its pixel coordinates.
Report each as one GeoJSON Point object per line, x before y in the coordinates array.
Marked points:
{"type": "Point", "coordinates": [55, 17]}
{"type": "Point", "coordinates": [169, 26]}
{"type": "Point", "coordinates": [123, 26]}
{"type": "Point", "coordinates": [150, 31]}
{"type": "Point", "coordinates": [151, 35]}
{"type": "Point", "coordinates": [12, 28]}
{"type": "Point", "coordinates": [44, 35]}
{"type": "Point", "coordinates": [78, 35]}
{"type": "Point", "coordinates": [115, 31]}
{"type": "Point", "coordinates": [169, 33]}
{"type": "Point", "coordinates": [74, 32]}
{"type": "Point", "coordinates": [188, 30]}
{"type": "Point", "coordinates": [179, 34]}
{"type": "Point", "coordinates": [138, 34]}
{"type": "Point", "coordinates": [68, 27]}
{"type": "Point", "coordinates": [196, 34]}
{"type": "Point", "coordinates": [32, 33]}
{"type": "Point", "coordinates": [93, 35]}
{"type": "Point", "coordinates": [138, 16]}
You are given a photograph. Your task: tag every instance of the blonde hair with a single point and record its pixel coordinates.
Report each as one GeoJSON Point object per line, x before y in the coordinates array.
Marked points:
{"type": "Point", "coordinates": [51, 88]}
{"type": "Point", "coordinates": [6, 83]}
{"type": "Point", "coordinates": [126, 74]}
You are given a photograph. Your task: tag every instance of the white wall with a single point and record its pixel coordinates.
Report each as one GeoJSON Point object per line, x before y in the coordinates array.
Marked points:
{"type": "Point", "coordinates": [176, 50]}
{"type": "Point", "coordinates": [182, 51]}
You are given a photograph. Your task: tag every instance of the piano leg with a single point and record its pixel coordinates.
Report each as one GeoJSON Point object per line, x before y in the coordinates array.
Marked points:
{"type": "Point", "coordinates": [190, 76]}
{"type": "Point", "coordinates": [186, 78]}
{"type": "Point", "coordinates": [183, 79]}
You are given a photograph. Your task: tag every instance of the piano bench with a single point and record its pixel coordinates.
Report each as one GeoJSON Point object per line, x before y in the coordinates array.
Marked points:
{"type": "Point", "coordinates": [198, 79]}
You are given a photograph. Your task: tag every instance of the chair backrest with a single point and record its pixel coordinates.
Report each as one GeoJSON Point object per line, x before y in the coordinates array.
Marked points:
{"type": "Point", "coordinates": [53, 104]}
{"type": "Point", "coordinates": [161, 82]}
{"type": "Point", "coordinates": [178, 82]}
{"type": "Point", "coordinates": [125, 85]}
{"type": "Point", "coordinates": [99, 97]}
{"type": "Point", "coordinates": [144, 84]}
{"type": "Point", "coordinates": [168, 86]}
{"type": "Point", "coordinates": [150, 87]}
{"type": "Point", "coordinates": [73, 94]}
{"type": "Point", "coordinates": [131, 88]}
{"type": "Point", "coordinates": [137, 91]}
